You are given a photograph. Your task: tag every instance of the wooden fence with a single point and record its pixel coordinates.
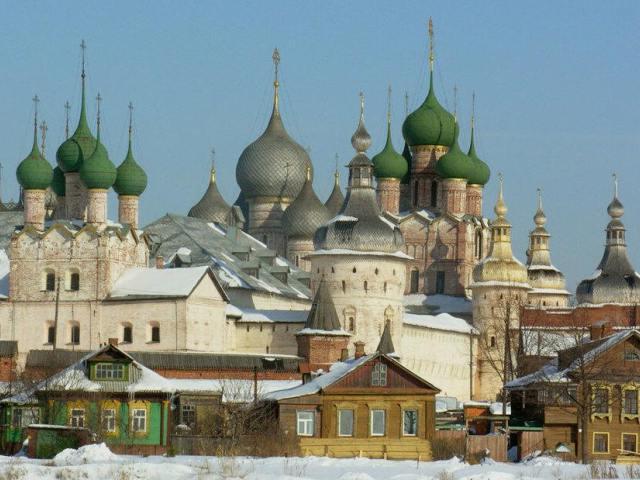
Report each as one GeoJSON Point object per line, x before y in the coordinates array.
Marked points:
{"type": "Point", "coordinates": [473, 447]}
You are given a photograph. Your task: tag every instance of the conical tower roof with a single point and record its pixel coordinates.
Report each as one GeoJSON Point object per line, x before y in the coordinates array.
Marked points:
{"type": "Point", "coordinates": [82, 143]}
{"type": "Point", "coordinates": [322, 316]}
{"type": "Point", "coordinates": [212, 207]}
{"type": "Point", "coordinates": [336, 199]}
{"type": "Point", "coordinates": [306, 214]}
{"type": "Point", "coordinates": [386, 342]}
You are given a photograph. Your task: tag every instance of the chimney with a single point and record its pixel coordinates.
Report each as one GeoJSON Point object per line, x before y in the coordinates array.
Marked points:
{"type": "Point", "coordinates": [600, 330]}
{"type": "Point", "coordinates": [113, 342]}
{"type": "Point", "coordinates": [359, 349]}
{"type": "Point", "coordinates": [344, 354]}
{"type": "Point", "coordinates": [159, 261]}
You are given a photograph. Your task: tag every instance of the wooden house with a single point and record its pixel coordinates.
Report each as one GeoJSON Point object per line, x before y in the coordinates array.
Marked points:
{"type": "Point", "coordinates": [587, 395]}
{"type": "Point", "coordinates": [369, 406]}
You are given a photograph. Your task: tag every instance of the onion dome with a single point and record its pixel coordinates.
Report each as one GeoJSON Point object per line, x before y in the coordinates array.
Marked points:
{"type": "Point", "coordinates": [479, 172]}
{"type": "Point", "coordinates": [306, 214]}
{"type": "Point", "coordinates": [58, 184]}
{"type": "Point", "coordinates": [274, 165]}
{"type": "Point", "coordinates": [82, 143]}
{"type": "Point", "coordinates": [500, 267]}
{"type": "Point", "coordinates": [541, 272]}
{"type": "Point", "coordinates": [359, 225]}
{"type": "Point", "coordinates": [131, 179]}
{"type": "Point", "coordinates": [406, 153]}
{"type": "Point", "coordinates": [389, 163]}
{"type": "Point", "coordinates": [212, 207]}
{"type": "Point", "coordinates": [336, 199]}
{"type": "Point", "coordinates": [615, 280]}
{"type": "Point", "coordinates": [34, 172]}
{"type": "Point", "coordinates": [454, 163]}
{"type": "Point", "coordinates": [430, 124]}
{"type": "Point", "coordinates": [98, 172]}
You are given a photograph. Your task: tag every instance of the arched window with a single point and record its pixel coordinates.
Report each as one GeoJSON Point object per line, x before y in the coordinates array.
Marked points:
{"type": "Point", "coordinates": [50, 333]}
{"type": "Point", "coordinates": [349, 319]}
{"type": "Point", "coordinates": [74, 336]}
{"type": "Point", "coordinates": [352, 324]}
{"type": "Point", "coordinates": [48, 280]}
{"type": "Point", "coordinates": [366, 286]}
{"type": "Point", "coordinates": [333, 270]}
{"type": "Point", "coordinates": [127, 333]}
{"type": "Point", "coordinates": [377, 271]}
{"type": "Point", "coordinates": [154, 332]}
{"type": "Point", "coordinates": [344, 286]}
{"type": "Point", "coordinates": [354, 270]}
{"type": "Point", "coordinates": [492, 341]}
{"type": "Point", "coordinates": [434, 193]}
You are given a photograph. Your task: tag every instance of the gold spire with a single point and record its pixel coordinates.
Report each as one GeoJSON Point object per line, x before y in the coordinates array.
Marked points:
{"type": "Point", "coordinates": [361, 94]}
{"type": "Point", "coordinates": [67, 107]}
{"type": "Point", "coordinates": [98, 101]}
{"type": "Point", "coordinates": [615, 185]}
{"type": "Point", "coordinates": [213, 165]}
{"type": "Point", "coordinates": [501, 207]}
{"type": "Point", "coordinates": [431, 56]}
{"type": "Point", "coordinates": [539, 218]}
{"type": "Point", "coordinates": [308, 173]}
{"type": "Point", "coordinates": [43, 133]}
{"type": "Point", "coordinates": [389, 105]}
{"type": "Point", "coordinates": [276, 83]}
{"type": "Point", "coordinates": [539, 198]}
{"type": "Point", "coordinates": [337, 172]}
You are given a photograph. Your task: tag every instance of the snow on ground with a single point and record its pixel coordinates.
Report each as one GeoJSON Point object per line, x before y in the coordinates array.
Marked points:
{"type": "Point", "coordinates": [95, 462]}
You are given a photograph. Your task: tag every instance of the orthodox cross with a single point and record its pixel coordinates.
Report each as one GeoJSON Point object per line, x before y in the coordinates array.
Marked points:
{"type": "Point", "coordinates": [43, 132]}
{"type": "Point", "coordinates": [67, 107]}
{"type": "Point", "coordinates": [130, 119]}
{"type": "Point", "coordinates": [431, 56]}
{"type": "Point", "coordinates": [98, 101]}
{"type": "Point", "coordinates": [83, 47]}
{"type": "Point", "coordinates": [276, 62]}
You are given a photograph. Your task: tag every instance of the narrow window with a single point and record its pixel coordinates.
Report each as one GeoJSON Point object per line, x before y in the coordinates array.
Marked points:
{"type": "Point", "coordinates": [345, 423]}
{"type": "Point", "coordinates": [188, 415]}
{"type": "Point", "coordinates": [75, 334]}
{"type": "Point", "coordinates": [297, 261]}
{"type": "Point", "coordinates": [415, 280]}
{"type": "Point", "coordinates": [434, 194]}
{"type": "Point", "coordinates": [366, 286]}
{"type": "Point", "coordinates": [127, 334]}
{"type": "Point", "coordinates": [410, 423]}
{"type": "Point", "coordinates": [354, 270]}
{"type": "Point", "coordinates": [75, 282]}
{"type": "Point", "coordinates": [630, 402]}
{"type": "Point", "coordinates": [305, 421]}
{"type": "Point", "coordinates": [492, 342]}
{"type": "Point", "coordinates": [109, 420]}
{"type": "Point", "coordinates": [379, 375]}
{"type": "Point", "coordinates": [352, 326]}
{"type": "Point", "coordinates": [376, 271]}
{"type": "Point", "coordinates": [344, 286]}
{"type": "Point", "coordinates": [440, 282]}
{"type": "Point", "coordinates": [385, 287]}
{"type": "Point", "coordinates": [50, 282]}
{"type": "Point", "coordinates": [378, 421]}
{"type": "Point", "coordinates": [155, 334]}
{"type": "Point", "coordinates": [139, 420]}
{"type": "Point", "coordinates": [247, 328]}
{"type": "Point", "coordinates": [601, 400]}
{"type": "Point", "coordinates": [267, 349]}
{"type": "Point", "coordinates": [415, 193]}
{"type": "Point", "coordinates": [51, 334]}
{"type": "Point", "coordinates": [600, 443]}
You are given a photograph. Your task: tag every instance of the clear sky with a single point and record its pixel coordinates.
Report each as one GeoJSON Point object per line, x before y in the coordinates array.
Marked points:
{"type": "Point", "coordinates": [556, 82]}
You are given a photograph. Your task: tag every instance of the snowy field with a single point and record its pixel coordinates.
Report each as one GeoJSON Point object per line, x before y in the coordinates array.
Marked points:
{"type": "Point", "coordinates": [96, 462]}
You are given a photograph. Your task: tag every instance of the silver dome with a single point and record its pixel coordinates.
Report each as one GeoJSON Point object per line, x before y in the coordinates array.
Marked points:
{"type": "Point", "coordinates": [305, 215]}
{"type": "Point", "coordinates": [212, 207]}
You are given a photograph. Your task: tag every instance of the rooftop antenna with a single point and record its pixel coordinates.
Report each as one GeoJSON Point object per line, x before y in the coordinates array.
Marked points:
{"type": "Point", "coordinates": [276, 84]}
{"type": "Point", "coordinates": [43, 132]}
{"type": "Point", "coordinates": [67, 107]}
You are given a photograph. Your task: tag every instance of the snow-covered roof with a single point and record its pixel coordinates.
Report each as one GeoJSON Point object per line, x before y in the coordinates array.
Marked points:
{"type": "Point", "coordinates": [157, 282]}
{"type": "Point", "coordinates": [272, 316]}
{"type": "Point", "coordinates": [311, 331]}
{"type": "Point", "coordinates": [335, 373]}
{"type": "Point", "coordinates": [442, 321]}
{"type": "Point", "coordinates": [344, 251]}
{"type": "Point", "coordinates": [547, 374]}
{"type": "Point", "coordinates": [439, 303]}
{"type": "Point", "coordinates": [233, 390]}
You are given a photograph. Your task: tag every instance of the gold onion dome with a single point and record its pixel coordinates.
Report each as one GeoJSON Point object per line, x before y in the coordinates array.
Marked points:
{"type": "Point", "coordinates": [98, 172]}
{"type": "Point", "coordinates": [274, 165]}
{"type": "Point", "coordinates": [34, 172]}
{"type": "Point", "coordinates": [500, 266]}
{"type": "Point", "coordinates": [82, 143]}
{"type": "Point", "coordinates": [212, 207]}
{"type": "Point", "coordinates": [131, 179]}
{"type": "Point", "coordinates": [306, 214]}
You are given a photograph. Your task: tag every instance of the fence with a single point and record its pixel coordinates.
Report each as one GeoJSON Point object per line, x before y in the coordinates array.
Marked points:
{"type": "Point", "coordinates": [472, 447]}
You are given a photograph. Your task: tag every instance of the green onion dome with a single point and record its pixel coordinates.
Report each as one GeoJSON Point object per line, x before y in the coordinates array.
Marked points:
{"type": "Point", "coordinates": [131, 179]}
{"type": "Point", "coordinates": [479, 172]}
{"type": "Point", "coordinates": [58, 184]}
{"type": "Point", "coordinates": [389, 163]}
{"type": "Point", "coordinates": [430, 124]}
{"type": "Point", "coordinates": [98, 172]}
{"type": "Point", "coordinates": [79, 146]}
{"type": "Point", "coordinates": [454, 163]}
{"type": "Point", "coordinates": [34, 172]}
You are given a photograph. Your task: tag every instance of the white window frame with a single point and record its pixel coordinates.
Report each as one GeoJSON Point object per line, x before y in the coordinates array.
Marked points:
{"type": "Point", "coordinates": [28, 416]}
{"type": "Point", "coordinates": [77, 417]}
{"type": "Point", "coordinates": [109, 414]}
{"type": "Point", "coordinates": [374, 412]}
{"type": "Point", "coordinates": [139, 420]}
{"type": "Point", "coordinates": [404, 431]}
{"type": "Point", "coordinates": [340, 434]}
{"type": "Point", "coordinates": [109, 370]}
{"type": "Point", "coordinates": [379, 375]}
{"type": "Point", "coordinates": [305, 423]}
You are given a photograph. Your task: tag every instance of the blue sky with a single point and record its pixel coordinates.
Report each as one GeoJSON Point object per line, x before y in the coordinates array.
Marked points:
{"type": "Point", "coordinates": [556, 83]}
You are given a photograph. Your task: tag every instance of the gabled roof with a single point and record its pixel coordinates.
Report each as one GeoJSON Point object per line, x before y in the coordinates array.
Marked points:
{"type": "Point", "coordinates": [338, 371]}
{"type": "Point", "coordinates": [142, 282]}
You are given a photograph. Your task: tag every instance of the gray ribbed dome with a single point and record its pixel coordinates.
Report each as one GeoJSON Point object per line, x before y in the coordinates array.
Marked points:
{"type": "Point", "coordinates": [274, 165]}
{"type": "Point", "coordinates": [615, 280]}
{"type": "Point", "coordinates": [305, 215]}
{"type": "Point", "coordinates": [359, 226]}
{"type": "Point", "coordinates": [212, 207]}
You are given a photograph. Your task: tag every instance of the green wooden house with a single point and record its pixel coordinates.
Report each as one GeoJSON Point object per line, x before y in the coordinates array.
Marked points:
{"type": "Point", "coordinates": [119, 400]}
